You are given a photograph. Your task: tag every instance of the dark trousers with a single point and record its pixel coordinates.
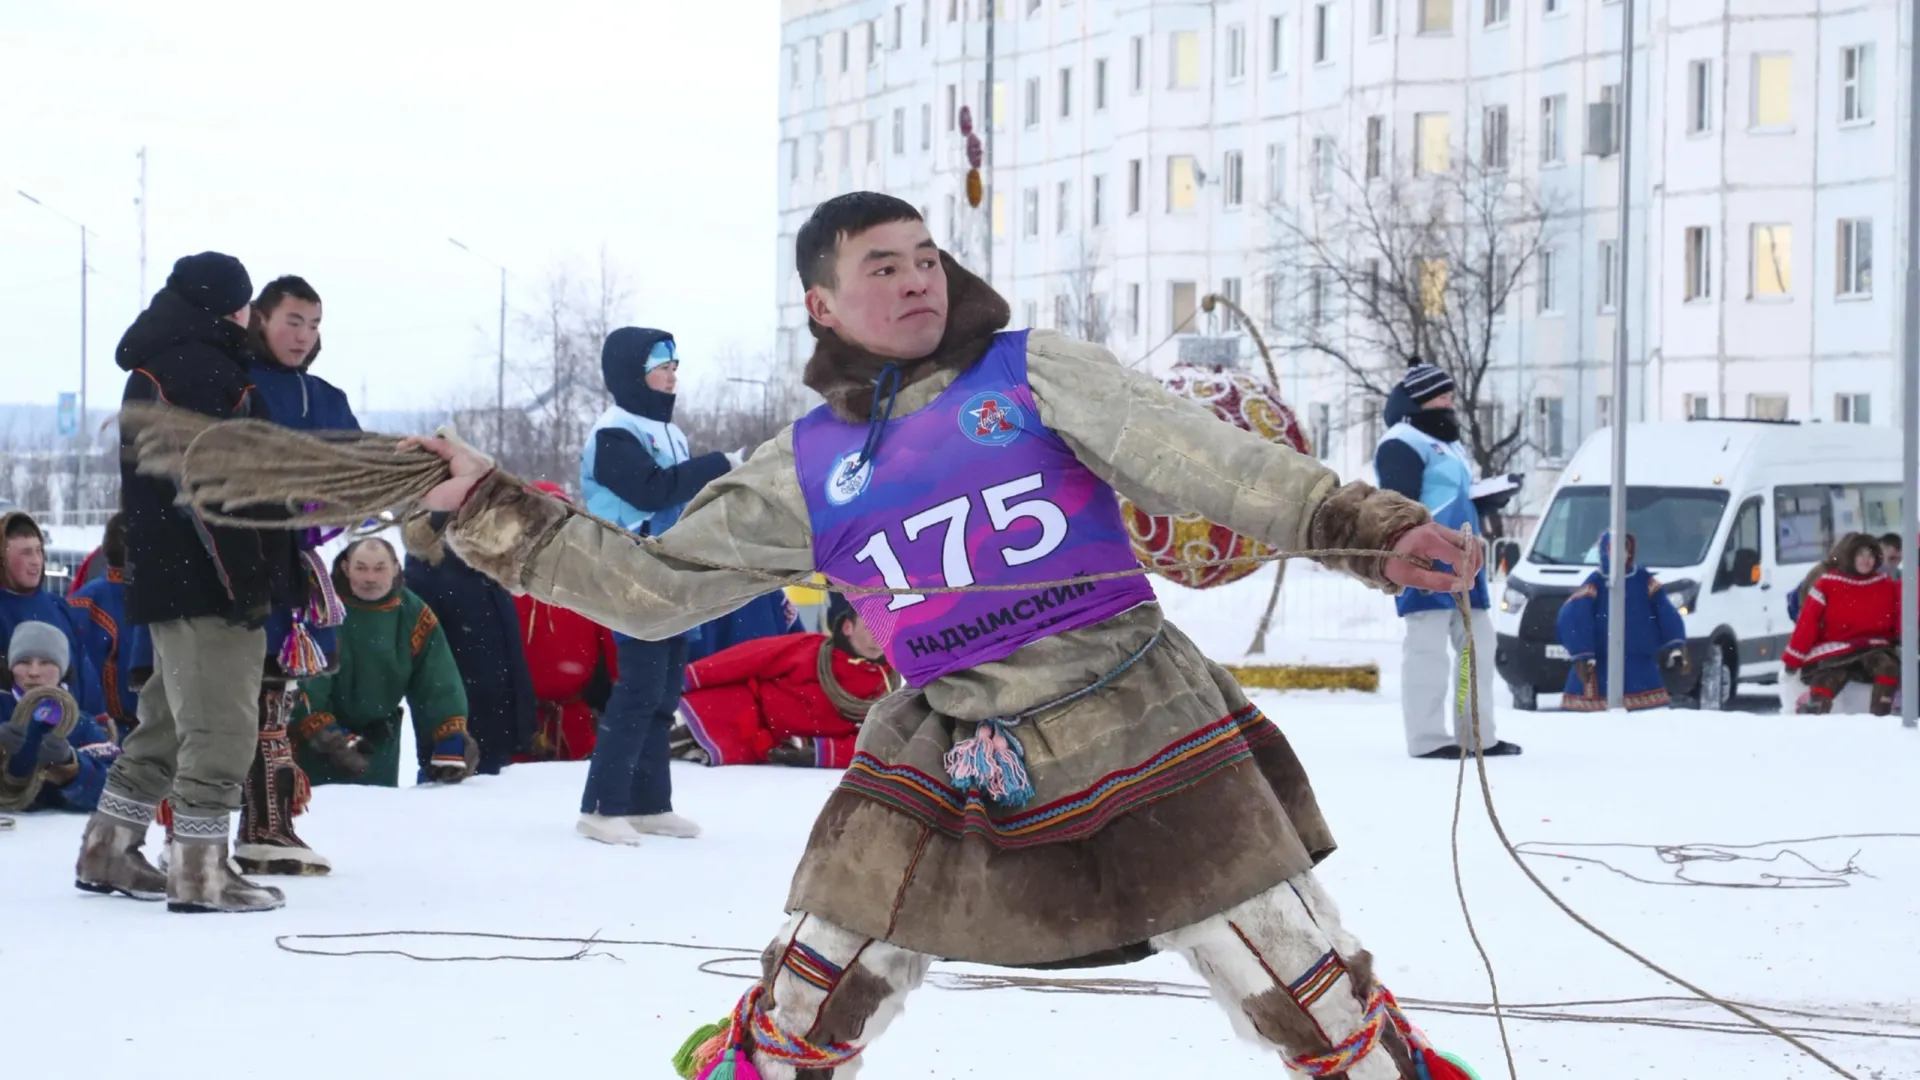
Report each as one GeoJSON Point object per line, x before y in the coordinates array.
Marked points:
{"type": "Point", "coordinates": [630, 771]}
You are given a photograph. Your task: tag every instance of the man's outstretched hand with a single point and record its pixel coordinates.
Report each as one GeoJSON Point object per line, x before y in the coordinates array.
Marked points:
{"type": "Point", "coordinates": [469, 467]}
{"type": "Point", "coordinates": [1435, 543]}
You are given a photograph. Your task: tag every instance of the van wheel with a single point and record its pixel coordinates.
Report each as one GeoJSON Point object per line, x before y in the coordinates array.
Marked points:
{"type": "Point", "coordinates": [1525, 698]}
{"type": "Point", "coordinates": [1715, 692]}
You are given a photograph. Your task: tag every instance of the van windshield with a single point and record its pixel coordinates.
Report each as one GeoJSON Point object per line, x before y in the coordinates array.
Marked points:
{"type": "Point", "coordinates": [1671, 527]}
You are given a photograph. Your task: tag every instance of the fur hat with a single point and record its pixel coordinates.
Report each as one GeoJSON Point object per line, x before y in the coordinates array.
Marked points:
{"type": "Point", "coordinates": [38, 641]}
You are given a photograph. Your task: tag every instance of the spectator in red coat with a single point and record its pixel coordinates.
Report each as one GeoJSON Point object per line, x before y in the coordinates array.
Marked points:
{"type": "Point", "coordinates": [791, 699]}
{"type": "Point", "coordinates": [574, 663]}
{"type": "Point", "coordinates": [1849, 628]}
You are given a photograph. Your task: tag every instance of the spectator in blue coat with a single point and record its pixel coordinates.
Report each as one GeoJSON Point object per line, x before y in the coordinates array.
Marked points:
{"type": "Point", "coordinates": [483, 630]}
{"type": "Point", "coordinates": [1421, 457]}
{"type": "Point", "coordinates": [52, 755]}
{"type": "Point", "coordinates": [1656, 637]}
{"type": "Point", "coordinates": [283, 327]}
{"type": "Point", "coordinates": [118, 653]}
{"type": "Point", "coordinates": [25, 598]}
{"type": "Point", "coordinates": [637, 471]}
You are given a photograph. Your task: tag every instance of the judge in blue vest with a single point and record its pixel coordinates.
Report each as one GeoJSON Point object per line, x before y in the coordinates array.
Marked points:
{"type": "Point", "coordinates": [636, 471]}
{"type": "Point", "coordinates": [1422, 458]}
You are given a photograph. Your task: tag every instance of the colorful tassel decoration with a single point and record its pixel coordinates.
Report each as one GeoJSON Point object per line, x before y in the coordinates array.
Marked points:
{"type": "Point", "coordinates": [300, 655]}
{"type": "Point", "coordinates": [993, 763]}
{"type": "Point", "coordinates": [323, 607]}
{"type": "Point", "coordinates": [732, 1065]}
{"type": "Point", "coordinates": [701, 1049]}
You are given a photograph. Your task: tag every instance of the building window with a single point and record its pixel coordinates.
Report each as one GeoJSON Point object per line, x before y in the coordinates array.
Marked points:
{"type": "Point", "coordinates": [1322, 33]}
{"type": "Point", "coordinates": [1233, 179]}
{"type": "Point", "coordinates": [1610, 97]}
{"type": "Point", "coordinates": [1236, 52]}
{"type": "Point", "coordinates": [1856, 257]}
{"type": "Point", "coordinates": [820, 154]}
{"type": "Point", "coordinates": [1772, 91]}
{"type": "Point", "coordinates": [1134, 171]}
{"type": "Point", "coordinates": [1494, 137]}
{"type": "Point", "coordinates": [926, 21]}
{"type": "Point", "coordinates": [1436, 16]}
{"type": "Point", "coordinates": [1182, 306]}
{"type": "Point", "coordinates": [1060, 314]}
{"type": "Point", "coordinates": [872, 133]}
{"type": "Point", "coordinates": [953, 107]}
{"type": "Point", "coordinates": [1772, 260]}
{"type": "Point", "coordinates": [1609, 276]}
{"type": "Point", "coordinates": [1032, 113]}
{"type": "Point", "coordinates": [1030, 312]}
{"type": "Point", "coordinates": [899, 131]}
{"type": "Point", "coordinates": [926, 126]}
{"type": "Point", "coordinates": [1097, 200]}
{"type": "Point", "coordinates": [1183, 56]}
{"type": "Point", "coordinates": [1856, 84]}
{"type": "Point", "coordinates": [1066, 93]}
{"type": "Point", "coordinates": [1377, 18]}
{"type": "Point", "coordinates": [1549, 427]}
{"type": "Point", "coordinates": [999, 214]}
{"type": "Point", "coordinates": [793, 67]}
{"type": "Point", "coordinates": [1320, 428]}
{"type": "Point", "coordinates": [1493, 292]}
{"type": "Point", "coordinates": [1496, 12]}
{"type": "Point", "coordinates": [1767, 406]}
{"type": "Point", "coordinates": [1316, 297]}
{"type": "Point", "coordinates": [1100, 84]}
{"type": "Point", "coordinates": [1699, 254]}
{"type": "Point", "coordinates": [899, 26]}
{"type": "Point", "coordinates": [1853, 408]}
{"type": "Point", "coordinates": [1602, 412]}
{"type": "Point", "coordinates": [791, 148]}
{"type": "Point", "coordinates": [1372, 267]}
{"type": "Point", "coordinates": [873, 43]}
{"type": "Point", "coordinates": [1696, 407]}
{"type": "Point", "coordinates": [1230, 290]}
{"type": "Point", "coordinates": [1323, 164]}
{"type": "Point", "coordinates": [1276, 173]}
{"type": "Point", "coordinates": [846, 48]}
{"type": "Point", "coordinates": [1553, 135]}
{"type": "Point", "coordinates": [1699, 97]}
{"type": "Point", "coordinates": [1370, 421]}
{"type": "Point", "coordinates": [1062, 207]}
{"type": "Point", "coordinates": [953, 10]}
{"type": "Point", "coordinates": [1183, 183]}
{"type": "Point", "coordinates": [1030, 213]}
{"type": "Point", "coordinates": [1033, 8]}
{"type": "Point", "coordinates": [1433, 287]}
{"type": "Point", "coordinates": [1548, 270]}
{"type": "Point", "coordinates": [820, 57]}
{"type": "Point", "coordinates": [1275, 309]}
{"type": "Point", "coordinates": [1376, 136]}
{"type": "Point", "coordinates": [1278, 48]}
{"type": "Point", "coordinates": [996, 107]}
{"type": "Point", "coordinates": [1137, 65]}
{"type": "Point", "coordinates": [1133, 309]}
{"type": "Point", "coordinates": [1431, 134]}
{"type": "Point", "coordinates": [1551, 7]}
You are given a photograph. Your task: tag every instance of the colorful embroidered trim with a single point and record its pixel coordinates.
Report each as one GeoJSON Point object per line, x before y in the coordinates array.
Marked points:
{"type": "Point", "coordinates": [423, 628]}
{"type": "Point", "coordinates": [935, 803]}
{"type": "Point", "coordinates": [1648, 699]}
{"type": "Point", "coordinates": [1382, 1010]}
{"type": "Point", "coordinates": [810, 967]}
{"type": "Point", "coordinates": [449, 728]}
{"type": "Point", "coordinates": [1312, 986]}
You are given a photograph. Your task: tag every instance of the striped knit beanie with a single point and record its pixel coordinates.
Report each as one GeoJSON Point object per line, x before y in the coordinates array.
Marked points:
{"type": "Point", "coordinates": [1424, 382]}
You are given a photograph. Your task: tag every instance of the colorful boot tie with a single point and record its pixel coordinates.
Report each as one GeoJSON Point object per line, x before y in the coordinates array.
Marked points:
{"type": "Point", "coordinates": [1382, 1009]}
{"type": "Point", "coordinates": [719, 1051]}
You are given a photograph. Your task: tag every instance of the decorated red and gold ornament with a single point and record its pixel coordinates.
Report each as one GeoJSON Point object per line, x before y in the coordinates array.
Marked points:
{"type": "Point", "coordinates": [1163, 542]}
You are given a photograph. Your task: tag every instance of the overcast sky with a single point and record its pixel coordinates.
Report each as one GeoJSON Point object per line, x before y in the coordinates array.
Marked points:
{"type": "Point", "coordinates": [346, 140]}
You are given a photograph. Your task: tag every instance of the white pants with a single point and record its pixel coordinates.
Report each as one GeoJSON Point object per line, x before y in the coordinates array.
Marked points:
{"type": "Point", "coordinates": [1289, 976]}
{"type": "Point", "coordinates": [1433, 671]}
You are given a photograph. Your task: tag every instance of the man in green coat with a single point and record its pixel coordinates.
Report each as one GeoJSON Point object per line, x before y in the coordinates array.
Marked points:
{"type": "Point", "coordinates": [392, 650]}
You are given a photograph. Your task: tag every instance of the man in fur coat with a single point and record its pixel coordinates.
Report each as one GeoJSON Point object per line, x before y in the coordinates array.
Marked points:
{"type": "Point", "coordinates": [1049, 789]}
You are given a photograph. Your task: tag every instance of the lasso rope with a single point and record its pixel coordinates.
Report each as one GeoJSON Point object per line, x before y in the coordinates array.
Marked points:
{"type": "Point", "coordinates": [293, 479]}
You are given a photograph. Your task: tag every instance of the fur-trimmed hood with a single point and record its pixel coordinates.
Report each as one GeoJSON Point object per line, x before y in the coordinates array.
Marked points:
{"type": "Point", "coordinates": [844, 374]}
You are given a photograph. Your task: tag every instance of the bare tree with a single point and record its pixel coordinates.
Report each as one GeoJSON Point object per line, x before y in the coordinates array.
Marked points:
{"type": "Point", "coordinates": [1080, 309]}
{"type": "Point", "coordinates": [1373, 272]}
{"type": "Point", "coordinates": [748, 408]}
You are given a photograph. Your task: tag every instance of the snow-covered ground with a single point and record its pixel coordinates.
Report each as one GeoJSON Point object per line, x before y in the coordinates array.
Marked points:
{"type": "Point", "coordinates": [134, 990]}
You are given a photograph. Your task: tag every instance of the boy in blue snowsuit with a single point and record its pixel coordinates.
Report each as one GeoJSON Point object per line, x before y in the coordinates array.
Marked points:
{"type": "Point", "coordinates": [52, 756]}
{"type": "Point", "coordinates": [117, 652]}
{"type": "Point", "coordinates": [24, 598]}
{"type": "Point", "coordinates": [636, 471]}
{"type": "Point", "coordinates": [1656, 638]}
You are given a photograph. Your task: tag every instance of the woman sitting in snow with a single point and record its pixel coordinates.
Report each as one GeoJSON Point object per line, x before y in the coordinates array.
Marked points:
{"type": "Point", "coordinates": [51, 756]}
{"type": "Point", "coordinates": [1656, 637]}
{"type": "Point", "coordinates": [795, 699]}
{"type": "Point", "coordinates": [392, 650]}
{"type": "Point", "coordinates": [1849, 628]}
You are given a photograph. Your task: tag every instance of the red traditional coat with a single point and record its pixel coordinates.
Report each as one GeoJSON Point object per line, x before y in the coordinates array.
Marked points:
{"type": "Point", "coordinates": [1843, 615]}
{"type": "Point", "coordinates": [742, 702]}
{"type": "Point", "coordinates": [564, 650]}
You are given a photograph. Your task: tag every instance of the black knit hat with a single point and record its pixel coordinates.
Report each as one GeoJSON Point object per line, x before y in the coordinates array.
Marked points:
{"type": "Point", "coordinates": [1424, 382]}
{"type": "Point", "coordinates": [212, 281]}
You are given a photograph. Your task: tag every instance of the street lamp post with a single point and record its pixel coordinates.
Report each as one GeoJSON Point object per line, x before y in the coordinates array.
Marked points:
{"type": "Point", "coordinates": [1617, 576]}
{"type": "Point", "coordinates": [500, 367]}
{"type": "Point", "coordinates": [80, 428]}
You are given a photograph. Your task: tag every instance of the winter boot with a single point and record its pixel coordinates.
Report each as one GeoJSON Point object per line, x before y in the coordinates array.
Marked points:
{"type": "Point", "coordinates": [607, 829]}
{"type": "Point", "coordinates": [110, 859]}
{"type": "Point", "coordinates": [667, 824]}
{"type": "Point", "coordinates": [276, 791]}
{"type": "Point", "coordinates": [1884, 688]}
{"type": "Point", "coordinates": [1819, 701]}
{"type": "Point", "coordinates": [200, 879]}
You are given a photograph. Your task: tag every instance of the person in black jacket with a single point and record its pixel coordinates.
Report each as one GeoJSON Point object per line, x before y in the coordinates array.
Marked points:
{"type": "Point", "coordinates": [483, 630]}
{"type": "Point", "coordinates": [203, 591]}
